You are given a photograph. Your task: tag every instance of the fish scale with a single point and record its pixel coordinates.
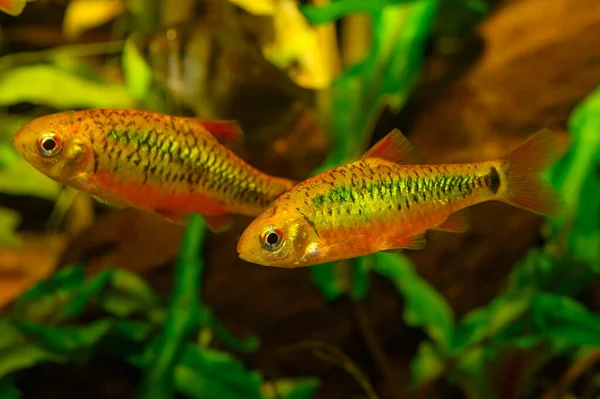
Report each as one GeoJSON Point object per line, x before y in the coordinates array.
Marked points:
{"type": "Point", "coordinates": [158, 163]}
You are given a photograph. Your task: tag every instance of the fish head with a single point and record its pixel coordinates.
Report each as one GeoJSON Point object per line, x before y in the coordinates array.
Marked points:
{"type": "Point", "coordinates": [56, 146]}
{"type": "Point", "coordinates": [280, 236]}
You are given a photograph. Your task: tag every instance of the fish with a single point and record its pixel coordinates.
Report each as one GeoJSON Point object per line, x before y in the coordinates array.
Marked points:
{"type": "Point", "coordinates": [169, 165]}
{"type": "Point", "coordinates": [389, 198]}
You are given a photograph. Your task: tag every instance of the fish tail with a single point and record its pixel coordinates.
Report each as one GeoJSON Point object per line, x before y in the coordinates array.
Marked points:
{"type": "Point", "coordinates": [524, 187]}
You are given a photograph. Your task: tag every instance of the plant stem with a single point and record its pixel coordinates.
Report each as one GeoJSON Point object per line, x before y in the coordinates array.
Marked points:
{"type": "Point", "coordinates": [384, 364]}
{"type": "Point", "coordinates": [182, 315]}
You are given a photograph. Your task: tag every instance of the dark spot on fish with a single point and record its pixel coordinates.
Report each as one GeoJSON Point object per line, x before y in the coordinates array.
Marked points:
{"type": "Point", "coordinates": [494, 180]}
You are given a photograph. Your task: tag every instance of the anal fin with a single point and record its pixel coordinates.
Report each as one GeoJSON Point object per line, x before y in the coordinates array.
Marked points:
{"type": "Point", "coordinates": [216, 223]}
{"type": "Point", "coordinates": [414, 242]}
{"type": "Point", "coordinates": [172, 216]}
{"type": "Point", "coordinates": [458, 222]}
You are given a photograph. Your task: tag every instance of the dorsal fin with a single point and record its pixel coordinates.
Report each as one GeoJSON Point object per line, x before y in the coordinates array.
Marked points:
{"type": "Point", "coordinates": [394, 147]}
{"type": "Point", "coordinates": [227, 132]}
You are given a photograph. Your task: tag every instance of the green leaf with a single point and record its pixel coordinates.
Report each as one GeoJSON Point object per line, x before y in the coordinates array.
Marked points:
{"type": "Point", "coordinates": [561, 275]}
{"type": "Point", "coordinates": [128, 293]}
{"type": "Point", "coordinates": [20, 178]}
{"type": "Point", "coordinates": [68, 338]}
{"type": "Point", "coordinates": [17, 352]}
{"type": "Point", "coordinates": [208, 319]}
{"type": "Point", "coordinates": [76, 305]}
{"type": "Point", "coordinates": [42, 300]}
{"type": "Point", "coordinates": [564, 319]}
{"type": "Point", "coordinates": [8, 390]}
{"type": "Point", "coordinates": [424, 307]}
{"type": "Point", "coordinates": [489, 322]}
{"type": "Point", "coordinates": [183, 312]}
{"type": "Point", "coordinates": [325, 278]}
{"type": "Point", "coordinates": [577, 179]}
{"type": "Point", "coordinates": [39, 84]}
{"type": "Point", "coordinates": [457, 20]}
{"type": "Point", "coordinates": [132, 330]}
{"type": "Point", "coordinates": [360, 269]}
{"type": "Point", "coordinates": [426, 366]}
{"type": "Point", "coordinates": [298, 388]}
{"type": "Point", "coordinates": [207, 374]}
{"type": "Point", "coordinates": [332, 11]}
{"type": "Point", "coordinates": [138, 75]}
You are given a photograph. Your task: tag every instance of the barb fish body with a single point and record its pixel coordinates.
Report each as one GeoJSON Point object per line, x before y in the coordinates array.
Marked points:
{"type": "Point", "coordinates": [388, 199]}
{"type": "Point", "coordinates": [159, 163]}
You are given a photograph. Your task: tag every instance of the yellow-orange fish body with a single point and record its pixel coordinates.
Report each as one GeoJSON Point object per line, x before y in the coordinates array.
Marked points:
{"type": "Point", "coordinates": [386, 201]}
{"type": "Point", "coordinates": [159, 163]}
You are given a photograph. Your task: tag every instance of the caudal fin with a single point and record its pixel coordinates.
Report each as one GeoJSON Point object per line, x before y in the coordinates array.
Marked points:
{"type": "Point", "coordinates": [524, 185]}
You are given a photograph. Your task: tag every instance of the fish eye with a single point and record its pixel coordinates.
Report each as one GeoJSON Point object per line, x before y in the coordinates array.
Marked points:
{"type": "Point", "coordinates": [49, 144]}
{"type": "Point", "coordinates": [271, 238]}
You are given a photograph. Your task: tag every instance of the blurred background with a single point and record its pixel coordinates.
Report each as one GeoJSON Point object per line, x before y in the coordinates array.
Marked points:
{"type": "Point", "coordinates": [114, 303]}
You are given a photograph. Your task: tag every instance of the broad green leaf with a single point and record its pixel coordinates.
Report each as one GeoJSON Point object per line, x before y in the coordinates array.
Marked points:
{"type": "Point", "coordinates": [52, 86]}
{"type": "Point", "coordinates": [297, 388]}
{"type": "Point", "coordinates": [13, 7]}
{"type": "Point", "coordinates": [426, 366]}
{"type": "Point", "coordinates": [334, 10]}
{"type": "Point", "coordinates": [82, 15]}
{"type": "Point", "coordinates": [256, 7]}
{"type": "Point", "coordinates": [65, 339]}
{"type": "Point", "coordinates": [577, 179]}
{"type": "Point", "coordinates": [564, 319]}
{"type": "Point", "coordinates": [138, 75]}
{"type": "Point", "coordinates": [489, 322]}
{"type": "Point", "coordinates": [424, 307]}
{"type": "Point", "coordinates": [8, 390]}
{"type": "Point", "coordinates": [9, 220]}
{"type": "Point", "coordinates": [17, 352]}
{"type": "Point", "coordinates": [206, 373]}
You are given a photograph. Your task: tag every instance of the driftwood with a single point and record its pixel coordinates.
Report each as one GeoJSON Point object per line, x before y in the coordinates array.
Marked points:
{"type": "Point", "coordinates": [540, 58]}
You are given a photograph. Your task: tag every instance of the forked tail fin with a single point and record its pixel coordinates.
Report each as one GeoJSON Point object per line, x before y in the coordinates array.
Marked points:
{"type": "Point", "coordinates": [522, 167]}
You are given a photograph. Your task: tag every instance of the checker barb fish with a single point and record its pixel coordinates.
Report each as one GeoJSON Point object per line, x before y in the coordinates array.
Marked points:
{"type": "Point", "coordinates": [164, 164]}
{"type": "Point", "coordinates": [388, 199]}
